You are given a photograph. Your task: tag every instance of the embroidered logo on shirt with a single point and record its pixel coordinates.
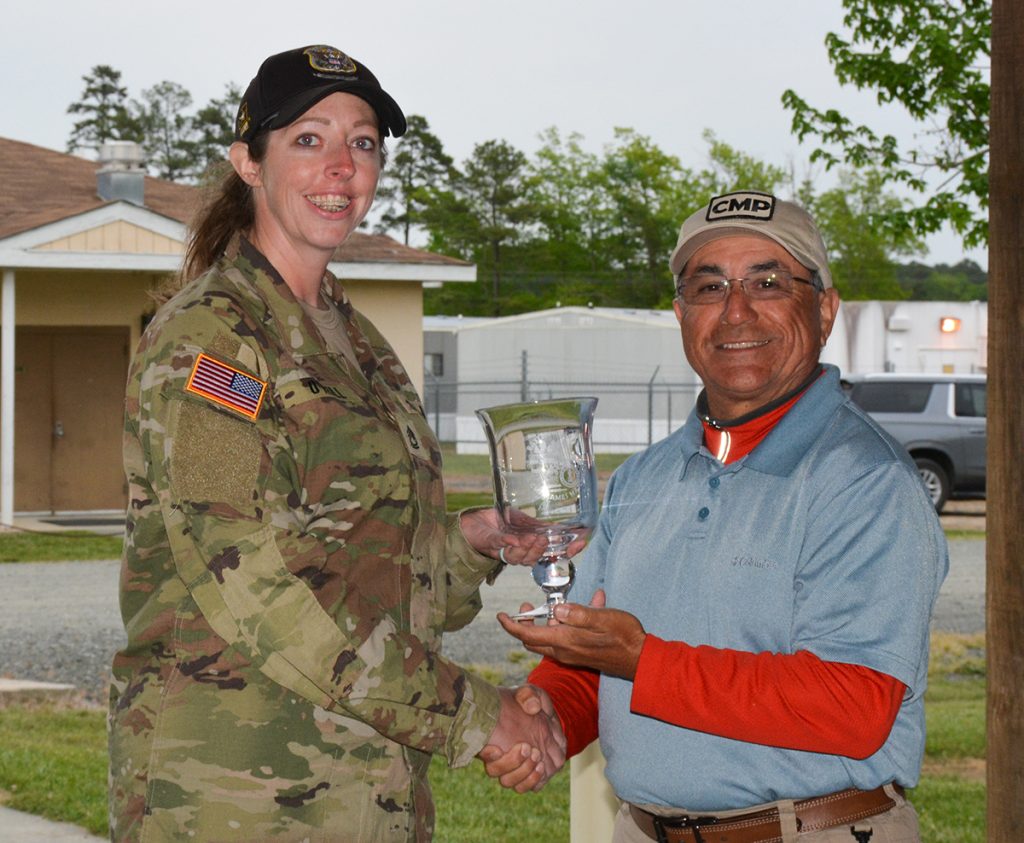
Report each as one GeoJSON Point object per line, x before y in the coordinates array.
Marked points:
{"type": "Point", "coordinates": [226, 386]}
{"type": "Point", "coordinates": [754, 562]}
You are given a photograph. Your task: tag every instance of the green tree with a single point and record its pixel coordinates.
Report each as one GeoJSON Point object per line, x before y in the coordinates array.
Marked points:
{"type": "Point", "coordinates": [454, 230]}
{"type": "Point", "coordinates": [212, 132]}
{"type": "Point", "coordinates": [167, 133]}
{"type": "Point", "coordinates": [419, 164]}
{"type": "Point", "coordinates": [730, 169]}
{"type": "Point", "coordinates": [646, 194]}
{"type": "Point", "coordinates": [103, 106]}
{"type": "Point", "coordinates": [592, 229]}
{"type": "Point", "coordinates": [862, 251]}
{"type": "Point", "coordinates": [484, 213]}
{"type": "Point", "coordinates": [931, 58]}
{"type": "Point", "coordinates": [562, 193]}
{"type": "Point", "coordinates": [964, 281]}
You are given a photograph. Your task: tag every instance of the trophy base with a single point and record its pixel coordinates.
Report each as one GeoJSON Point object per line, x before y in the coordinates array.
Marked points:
{"type": "Point", "coordinates": [545, 611]}
{"type": "Point", "coordinates": [539, 612]}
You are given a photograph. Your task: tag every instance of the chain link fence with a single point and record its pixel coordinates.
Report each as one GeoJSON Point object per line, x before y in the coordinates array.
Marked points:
{"type": "Point", "coordinates": [630, 415]}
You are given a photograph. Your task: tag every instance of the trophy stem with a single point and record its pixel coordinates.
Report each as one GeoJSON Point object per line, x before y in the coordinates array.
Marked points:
{"type": "Point", "coordinates": [555, 575]}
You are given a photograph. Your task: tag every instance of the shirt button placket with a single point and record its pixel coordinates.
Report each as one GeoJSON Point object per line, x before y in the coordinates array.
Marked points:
{"type": "Point", "coordinates": [704, 512]}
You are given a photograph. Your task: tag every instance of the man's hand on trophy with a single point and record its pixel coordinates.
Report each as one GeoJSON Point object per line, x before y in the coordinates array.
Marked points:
{"type": "Point", "coordinates": [527, 747]}
{"type": "Point", "coordinates": [608, 640]}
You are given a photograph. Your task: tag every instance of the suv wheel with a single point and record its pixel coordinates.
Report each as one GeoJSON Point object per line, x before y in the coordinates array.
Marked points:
{"type": "Point", "coordinates": [935, 480]}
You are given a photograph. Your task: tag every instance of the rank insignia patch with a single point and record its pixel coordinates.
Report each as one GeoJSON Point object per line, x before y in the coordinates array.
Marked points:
{"type": "Point", "coordinates": [226, 386]}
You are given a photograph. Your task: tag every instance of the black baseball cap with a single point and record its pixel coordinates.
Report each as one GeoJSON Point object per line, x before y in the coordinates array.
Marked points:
{"type": "Point", "coordinates": [289, 84]}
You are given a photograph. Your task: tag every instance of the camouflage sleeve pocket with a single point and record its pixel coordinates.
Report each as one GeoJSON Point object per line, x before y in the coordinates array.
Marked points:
{"type": "Point", "coordinates": [214, 458]}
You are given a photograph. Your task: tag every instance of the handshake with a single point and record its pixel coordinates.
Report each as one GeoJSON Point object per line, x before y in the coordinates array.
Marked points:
{"type": "Point", "coordinates": [527, 747]}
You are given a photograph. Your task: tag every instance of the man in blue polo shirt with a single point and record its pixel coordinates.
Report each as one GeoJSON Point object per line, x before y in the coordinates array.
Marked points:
{"type": "Point", "coordinates": [755, 651]}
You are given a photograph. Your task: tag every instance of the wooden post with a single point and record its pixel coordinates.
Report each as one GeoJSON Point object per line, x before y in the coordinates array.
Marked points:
{"type": "Point", "coordinates": [1005, 541]}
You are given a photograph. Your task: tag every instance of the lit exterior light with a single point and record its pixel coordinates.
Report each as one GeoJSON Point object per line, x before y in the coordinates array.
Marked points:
{"type": "Point", "coordinates": [949, 324]}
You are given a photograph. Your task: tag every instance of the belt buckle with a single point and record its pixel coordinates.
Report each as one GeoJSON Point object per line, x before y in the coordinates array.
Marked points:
{"type": "Point", "coordinates": [684, 822]}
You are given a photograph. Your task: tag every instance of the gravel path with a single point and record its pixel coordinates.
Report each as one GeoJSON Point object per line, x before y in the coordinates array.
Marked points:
{"type": "Point", "coordinates": [60, 620]}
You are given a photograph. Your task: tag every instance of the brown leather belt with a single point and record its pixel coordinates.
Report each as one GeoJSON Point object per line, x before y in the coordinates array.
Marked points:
{"type": "Point", "coordinates": [845, 806]}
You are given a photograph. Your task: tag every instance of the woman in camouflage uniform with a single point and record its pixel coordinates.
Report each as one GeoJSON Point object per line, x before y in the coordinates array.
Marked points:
{"type": "Point", "coordinates": [289, 565]}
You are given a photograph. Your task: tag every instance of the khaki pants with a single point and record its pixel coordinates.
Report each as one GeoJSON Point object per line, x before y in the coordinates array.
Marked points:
{"type": "Point", "coordinates": [898, 825]}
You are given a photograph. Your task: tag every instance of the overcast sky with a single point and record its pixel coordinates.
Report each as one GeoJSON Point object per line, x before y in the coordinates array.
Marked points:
{"type": "Point", "coordinates": [477, 70]}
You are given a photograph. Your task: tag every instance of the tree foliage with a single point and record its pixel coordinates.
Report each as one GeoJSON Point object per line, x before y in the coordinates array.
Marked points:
{"type": "Point", "coordinates": [644, 189]}
{"type": "Point", "coordinates": [598, 228]}
{"type": "Point", "coordinates": [931, 58]}
{"type": "Point", "coordinates": [417, 165]}
{"type": "Point", "coordinates": [212, 131]}
{"type": "Point", "coordinates": [964, 281]}
{"type": "Point", "coordinates": [562, 187]}
{"type": "Point", "coordinates": [569, 226]}
{"type": "Point", "coordinates": [486, 211]}
{"type": "Point", "coordinates": [166, 129]}
{"type": "Point", "coordinates": [178, 145]}
{"type": "Point", "coordinates": [103, 108]}
{"type": "Point", "coordinates": [862, 252]}
{"type": "Point", "coordinates": [732, 169]}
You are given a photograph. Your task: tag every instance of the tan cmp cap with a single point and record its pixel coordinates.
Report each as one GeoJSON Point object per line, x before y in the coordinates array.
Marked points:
{"type": "Point", "coordinates": [753, 212]}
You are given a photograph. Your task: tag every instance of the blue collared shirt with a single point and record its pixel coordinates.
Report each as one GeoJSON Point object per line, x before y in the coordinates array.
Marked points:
{"type": "Point", "coordinates": [821, 539]}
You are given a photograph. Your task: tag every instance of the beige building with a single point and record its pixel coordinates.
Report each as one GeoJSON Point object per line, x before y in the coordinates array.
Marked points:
{"type": "Point", "coordinates": [81, 245]}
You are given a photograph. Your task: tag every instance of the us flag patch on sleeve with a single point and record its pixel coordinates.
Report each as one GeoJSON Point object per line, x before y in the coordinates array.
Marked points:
{"type": "Point", "coordinates": [226, 386]}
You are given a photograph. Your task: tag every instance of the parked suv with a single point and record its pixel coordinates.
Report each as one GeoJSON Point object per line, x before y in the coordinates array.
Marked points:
{"type": "Point", "coordinates": [939, 419]}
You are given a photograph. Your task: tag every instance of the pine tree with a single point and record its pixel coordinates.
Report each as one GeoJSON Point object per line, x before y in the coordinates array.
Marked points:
{"type": "Point", "coordinates": [104, 108]}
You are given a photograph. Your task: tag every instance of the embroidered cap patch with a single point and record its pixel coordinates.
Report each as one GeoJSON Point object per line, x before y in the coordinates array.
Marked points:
{"type": "Point", "coordinates": [742, 205]}
{"type": "Point", "coordinates": [329, 60]}
{"type": "Point", "coordinates": [226, 386]}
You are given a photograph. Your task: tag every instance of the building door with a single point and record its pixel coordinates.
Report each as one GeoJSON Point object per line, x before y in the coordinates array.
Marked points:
{"type": "Point", "coordinates": [69, 405]}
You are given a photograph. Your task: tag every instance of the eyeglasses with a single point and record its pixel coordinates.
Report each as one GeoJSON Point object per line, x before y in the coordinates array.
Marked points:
{"type": "Point", "coordinates": [708, 288]}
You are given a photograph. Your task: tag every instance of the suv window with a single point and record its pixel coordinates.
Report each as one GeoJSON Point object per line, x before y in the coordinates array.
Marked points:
{"type": "Point", "coordinates": [969, 399]}
{"type": "Point", "coordinates": [892, 397]}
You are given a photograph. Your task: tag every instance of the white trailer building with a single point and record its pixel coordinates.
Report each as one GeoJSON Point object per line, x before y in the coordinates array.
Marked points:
{"type": "Point", "coordinates": [632, 360]}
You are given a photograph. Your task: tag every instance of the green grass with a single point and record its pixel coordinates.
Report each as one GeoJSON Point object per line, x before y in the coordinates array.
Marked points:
{"type": "Point", "coordinates": [57, 547]}
{"type": "Point", "coordinates": [472, 808]}
{"type": "Point", "coordinates": [471, 464]}
{"type": "Point", "coordinates": [951, 809]}
{"type": "Point", "coordinates": [950, 800]}
{"type": "Point", "coordinates": [965, 534]}
{"type": "Point", "coordinates": [53, 763]}
{"type": "Point", "coordinates": [461, 500]}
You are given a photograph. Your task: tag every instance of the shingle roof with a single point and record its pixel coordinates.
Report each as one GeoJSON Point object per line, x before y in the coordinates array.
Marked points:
{"type": "Point", "coordinates": [379, 248]}
{"type": "Point", "coordinates": [39, 186]}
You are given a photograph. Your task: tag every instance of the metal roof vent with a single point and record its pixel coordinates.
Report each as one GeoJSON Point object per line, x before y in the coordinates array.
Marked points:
{"type": "Point", "coordinates": [121, 176]}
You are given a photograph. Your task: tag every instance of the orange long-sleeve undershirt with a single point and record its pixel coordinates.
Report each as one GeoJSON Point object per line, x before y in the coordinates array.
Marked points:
{"type": "Point", "coordinates": [795, 701]}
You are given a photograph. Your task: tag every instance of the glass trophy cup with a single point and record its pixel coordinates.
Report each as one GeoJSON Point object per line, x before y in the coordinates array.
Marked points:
{"type": "Point", "coordinates": [545, 482]}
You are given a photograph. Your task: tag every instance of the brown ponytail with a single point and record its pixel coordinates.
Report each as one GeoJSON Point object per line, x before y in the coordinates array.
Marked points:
{"type": "Point", "coordinates": [226, 208]}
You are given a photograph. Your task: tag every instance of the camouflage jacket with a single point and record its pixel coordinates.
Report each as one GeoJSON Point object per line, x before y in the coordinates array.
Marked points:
{"type": "Point", "coordinates": [288, 570]}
